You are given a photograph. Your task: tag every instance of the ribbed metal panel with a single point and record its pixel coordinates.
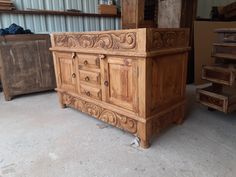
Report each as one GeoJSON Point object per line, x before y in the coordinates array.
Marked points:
{"type": "Point", "coordinates": [55, 23]}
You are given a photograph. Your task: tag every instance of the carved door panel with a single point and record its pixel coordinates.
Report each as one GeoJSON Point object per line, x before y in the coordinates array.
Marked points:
{"type": "Point", "coordinates": [66, 72]}
{"type": "Point", "coordinates": [119, 80]}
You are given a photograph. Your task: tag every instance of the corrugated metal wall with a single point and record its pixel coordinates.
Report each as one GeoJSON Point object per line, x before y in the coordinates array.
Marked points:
{"type": "Point", "coordinates": [55, 23]}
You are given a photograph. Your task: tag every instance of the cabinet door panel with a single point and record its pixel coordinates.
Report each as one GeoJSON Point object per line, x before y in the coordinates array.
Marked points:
{"type": "Point", "coordinates": [66, 72]}
{"type": "Point", "coordinates": [120, 82]}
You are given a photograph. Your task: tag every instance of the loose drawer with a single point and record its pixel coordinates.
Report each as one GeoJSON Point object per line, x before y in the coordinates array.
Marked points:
{"type": "Point", "coordinates": [88, 61]}
{"type": "Point", "coordinates": [224, 50]}
{"type": "Point", "coordinates": [224, 100]}
{"type": "Point", "coordinates": [90, 92]}
{"type": "Point", "coordinates": [223, 74]}
{"type": "Point", "coordinates": [90, 77]}
{"type": "Point", "coordinates": [226, 37]}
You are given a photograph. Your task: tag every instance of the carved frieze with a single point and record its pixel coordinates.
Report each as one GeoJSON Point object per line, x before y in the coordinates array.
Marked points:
{"type": "Point", "coordinates": [169, 39]}
{"type": "Point", "coordinates": [109, 41]}
{"type": "Point", "coordinates": [110, 117]}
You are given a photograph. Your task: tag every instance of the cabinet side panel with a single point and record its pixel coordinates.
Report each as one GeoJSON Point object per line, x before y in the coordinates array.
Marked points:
{"type": "Point", "coordinates": [168, 81]}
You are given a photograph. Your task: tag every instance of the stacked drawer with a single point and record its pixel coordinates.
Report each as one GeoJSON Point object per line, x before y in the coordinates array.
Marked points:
{"type": "Point", "coordinates": [222, 94]}
{"type": "Point", "coordinates": [89, 76]}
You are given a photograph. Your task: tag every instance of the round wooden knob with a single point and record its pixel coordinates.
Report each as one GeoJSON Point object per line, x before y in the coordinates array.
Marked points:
{"type": "Point", "coordinates": [74, 75]}
{"type": "Point", "coordinates": [106, 83]}
{"type": "Point", "coordinates": [87, 79]}
{"type": "Point", "coordinates": [87, 93]}
{"type": "Point", "coordinates": [85, 62]}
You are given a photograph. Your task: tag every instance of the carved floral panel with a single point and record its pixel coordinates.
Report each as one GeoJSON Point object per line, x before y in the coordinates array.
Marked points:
{"type": "Point", "coordinates": [109, 41]}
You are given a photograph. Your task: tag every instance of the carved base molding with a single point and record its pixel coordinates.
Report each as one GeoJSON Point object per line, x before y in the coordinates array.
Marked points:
{"type": "Point", "coordinates": [105, 115]}
{"type": "Point", "coordinates": [143, 130]}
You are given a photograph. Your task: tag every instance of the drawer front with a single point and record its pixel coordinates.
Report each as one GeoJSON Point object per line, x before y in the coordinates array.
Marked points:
{"type": "Point", "coordinates": [91, 92]}
{"type": "Point", "coordinates": [90, 77]}
{"type": "Point", "coordinates": [88, 61]}
{"type": "Point", "coordinates": [213, 100]}
{"type": "Point", "coordinates": [218, 75]}
{"type": "Point", "coordinates": [224, 51]}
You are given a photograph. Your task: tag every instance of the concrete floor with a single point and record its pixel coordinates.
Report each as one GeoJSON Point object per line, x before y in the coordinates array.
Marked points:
{"type": "Point", "coordinates": [39, 139]}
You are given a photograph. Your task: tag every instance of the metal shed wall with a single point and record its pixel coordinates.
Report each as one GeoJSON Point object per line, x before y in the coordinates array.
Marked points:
{"type": "Point", "coordinates": [55, 23]}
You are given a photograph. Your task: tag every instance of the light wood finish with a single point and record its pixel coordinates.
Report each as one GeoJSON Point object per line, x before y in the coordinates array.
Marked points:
{"type": "Point", "coordinates": [66, 72]}
{"type": "Point", "coordinates": [27, 64]}
{"type": "Point", "coordinates": [132, 79]}
{"type": "Point", "coordinates": [90, 77]}
{"type": "Point", "coordinates": [90, 91]}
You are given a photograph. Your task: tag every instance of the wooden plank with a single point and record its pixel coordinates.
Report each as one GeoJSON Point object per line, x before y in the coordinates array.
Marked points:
{"type": "Point", "coordinates": [65, 13]}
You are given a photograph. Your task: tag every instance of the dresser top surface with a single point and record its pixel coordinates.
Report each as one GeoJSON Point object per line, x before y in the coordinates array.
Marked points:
{"type": "Point", "coordinates": [133, 41]}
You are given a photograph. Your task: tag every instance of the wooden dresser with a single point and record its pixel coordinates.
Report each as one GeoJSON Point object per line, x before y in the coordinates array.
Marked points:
{"type": "Point", "coordinates": [132, 79]}
{"type": "Point", "coordinates": [26, 64]}
{"type": "Point", "coordinates": [221, 95]}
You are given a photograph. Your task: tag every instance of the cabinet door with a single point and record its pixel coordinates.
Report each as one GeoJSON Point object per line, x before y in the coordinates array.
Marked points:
{"type": "Point", "coordinates": [120, 77]}
{"type": "Point", "coordinates": [66, 75]}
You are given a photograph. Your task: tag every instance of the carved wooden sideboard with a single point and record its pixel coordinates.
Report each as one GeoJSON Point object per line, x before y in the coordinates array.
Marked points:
{"type": "Point", "coordinates": [132, 79]}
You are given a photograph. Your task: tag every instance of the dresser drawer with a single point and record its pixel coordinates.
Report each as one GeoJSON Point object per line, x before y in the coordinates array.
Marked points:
{"type": "Point", "coordinates": [90, 92]}
{"type": "Point", "coordinates": [223, 74]}
{"type": "Point", "coordinates": [88, 61]}
{"type": "Point", "coordinates": [224, 50]}
{"type": "Point", "coordinates": [90, 77]}
{"type": "Point", "coordinates": [224, 100]}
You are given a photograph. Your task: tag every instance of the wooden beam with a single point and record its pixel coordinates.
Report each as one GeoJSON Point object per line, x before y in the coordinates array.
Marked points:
{"type": "Point", "coordinates": [64, 13]}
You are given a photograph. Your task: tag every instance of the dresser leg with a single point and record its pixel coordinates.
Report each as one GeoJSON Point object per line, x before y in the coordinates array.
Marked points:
{"type": "Point", "coordinates": [211, 109]}
{"type": "Point", "coordinates": [144, 133]}
{"type": "Point", "coordinates": [8, 98]}
{"type": "Point", "coordinates": [63, 106]}
{"type": "Point", "coordinates": [145, 144]}
{"type": "Point", "coordinates": [180, 121]}
{"type": "Point", "coordinates": [180, 115]}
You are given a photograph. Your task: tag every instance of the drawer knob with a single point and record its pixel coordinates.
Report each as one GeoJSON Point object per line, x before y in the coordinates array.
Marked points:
{"type": "Point", "coordinates": [87, 79]}
{"type": "Point", "coordinates": [87, 93]}
{"type": "Point", "coordinates": [102, 57]}
{"type": "Point", "coordinates": [73, 75]}
{"type": "Point", "coordinates": [85, 62]}
{"type": "Point", "coordinates": [106, 83]}
{"type": "Point", "coordinates": [73, 55]}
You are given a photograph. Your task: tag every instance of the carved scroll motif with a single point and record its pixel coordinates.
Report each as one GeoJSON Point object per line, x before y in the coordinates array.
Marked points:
{"type": "Point", "coordinates": [169, 39]}
{"type": "Point", "coordinates": [69, 100]}
{"type": "Point", "coordinates": [104, 115]}
{"type": "Point", "coordinates": [97, 41]}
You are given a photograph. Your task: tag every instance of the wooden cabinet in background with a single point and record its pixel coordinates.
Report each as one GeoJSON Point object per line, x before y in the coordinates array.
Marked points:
{"type": "Point", "coordinates": [221, 95]}
{"type": "Point", "coordinates": [27, 64]}
{"type": "Point", "coordinates": [132, 79]}
{"type": "Point", "coordinates": [139, 13]}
